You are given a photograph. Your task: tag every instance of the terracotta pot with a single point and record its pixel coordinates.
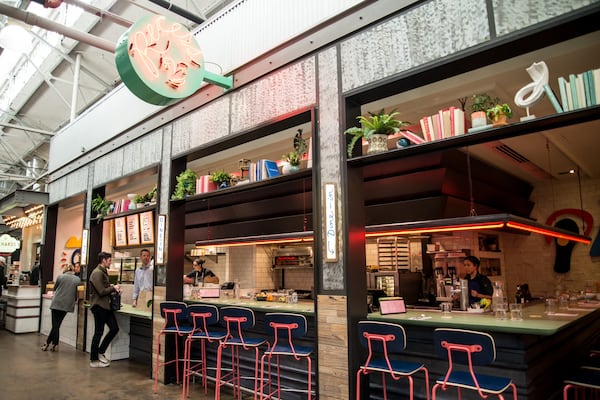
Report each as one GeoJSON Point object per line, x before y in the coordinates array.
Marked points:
{"type": "Point", "coordinates": [499, 120]}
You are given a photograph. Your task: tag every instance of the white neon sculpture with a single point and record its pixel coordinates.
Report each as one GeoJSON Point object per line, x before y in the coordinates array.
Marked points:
{"type": "Point", "coordinates": [538, 71]}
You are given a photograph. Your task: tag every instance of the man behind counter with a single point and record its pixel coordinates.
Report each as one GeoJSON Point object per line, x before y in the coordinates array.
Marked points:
{"type": "Point", "coordinates": [200, 274]}
{"type": "Point", "coordinates": [480, 287]}
{"type": "Point", "coordinates": [143, 276]}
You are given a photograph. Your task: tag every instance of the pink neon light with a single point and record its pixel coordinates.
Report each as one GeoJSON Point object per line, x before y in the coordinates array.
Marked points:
{"type": "Point", "coordinates": [165, 50]}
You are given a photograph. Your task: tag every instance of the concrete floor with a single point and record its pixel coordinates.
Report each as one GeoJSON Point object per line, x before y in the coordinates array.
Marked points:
{"type": "Point", "coordinates": [27, 373]}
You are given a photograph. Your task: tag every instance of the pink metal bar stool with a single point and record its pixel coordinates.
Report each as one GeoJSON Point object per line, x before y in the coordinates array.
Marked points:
{"type": "Point", "coordinates": [384, 339]}
{"type": "Point", "coordinates": [584, 379]}
{"type": "Point", "coordinates": [177, 324]}
{"type": "Point", "coordinates": [236, 320]}
{"type": "Point", "coordinates": [204, 319]}
{"type": "Point", "coordinates": [284, 328]}
{"type": "Point", "coordinates": [469, 348]}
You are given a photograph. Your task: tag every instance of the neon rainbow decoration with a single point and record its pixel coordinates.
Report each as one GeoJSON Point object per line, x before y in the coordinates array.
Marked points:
{"type": "Point", "coordinates": [161, 62]}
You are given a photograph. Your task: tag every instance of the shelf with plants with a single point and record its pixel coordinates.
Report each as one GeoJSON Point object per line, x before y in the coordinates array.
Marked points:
{"type": "Point", "coordinates": [553, 121]}
{"type": "Point", "coordinates": [282, 203]}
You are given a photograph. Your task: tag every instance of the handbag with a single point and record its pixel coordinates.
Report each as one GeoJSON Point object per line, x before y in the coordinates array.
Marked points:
{"type": "Point", "coordinates": [115, 301]}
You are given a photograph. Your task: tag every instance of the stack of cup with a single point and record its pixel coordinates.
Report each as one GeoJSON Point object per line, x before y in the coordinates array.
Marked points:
{"type": "Point", "coordinates": [516, 311]}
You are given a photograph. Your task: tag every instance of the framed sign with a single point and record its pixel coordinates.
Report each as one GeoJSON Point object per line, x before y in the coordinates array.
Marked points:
{"type": "Point", "coordinates": [160, 239]}
{"type": "Point", "coordinates": [84, 246]}
{"type": "Point", "coordinates": [330, 223]}
{"type": "Point", "coordinates": [147, 227]}
{"type": "Point", "coordinates": [120, 232]}
{"type": "Point", "coordinates": [133, 230]}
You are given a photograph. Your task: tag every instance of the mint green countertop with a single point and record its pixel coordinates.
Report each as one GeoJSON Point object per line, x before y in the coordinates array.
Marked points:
{"type": "Point", "coordinates": [302, 307]}
{"type": "Point", "coordinates": [136, 312]}
{"type": "Point", "coordinates": [535, 321]}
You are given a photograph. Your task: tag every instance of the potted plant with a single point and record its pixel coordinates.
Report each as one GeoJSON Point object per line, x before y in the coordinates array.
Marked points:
{"type": "Point", "coordinates": [221, 178]}
{"type": "Point", "coordinates": [375, 129]}
{"type": "Point", "coordinates": [481, 103]}
{"type": "Point", "coordinates": [186, 185]}
{"type": "Point", "coordinates": [139, 200]}
{"type": "Point", "coordinates": [294, 157]}
{"type": "Point", "coordinates": [101, 207]}
{"type": "Point", "coordinates": [150, 197]}
{"type": "Point", "coordinates": [499, 113]}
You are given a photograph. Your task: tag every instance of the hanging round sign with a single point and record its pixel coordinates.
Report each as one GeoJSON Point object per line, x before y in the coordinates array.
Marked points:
{"type": "Point", "coordinates": [159, 61]}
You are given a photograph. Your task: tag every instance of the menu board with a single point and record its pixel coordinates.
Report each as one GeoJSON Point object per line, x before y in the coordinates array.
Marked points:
{"type": "Point", "coordinates": [133, 230]}
{"type": "Point", "coordinates": [147, 227]}
{"type": "Point", "coordinates": [120, 232]}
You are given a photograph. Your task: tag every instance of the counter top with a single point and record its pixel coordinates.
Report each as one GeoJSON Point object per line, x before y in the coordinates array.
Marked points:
{"type": "Point", "coordinates": [302, 307]}
{"type": "Point", "coordinates": [135, 312]}
{"type": "Point", "coordinates": [535, 321]}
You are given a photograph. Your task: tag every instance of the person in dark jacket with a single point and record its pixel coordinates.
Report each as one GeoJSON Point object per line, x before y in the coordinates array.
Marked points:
{"type": "Point", "coordinates": [34, 275]}
{"type": "Point", "coordinates": [100, 291]}
{"type": "Point", "coordinates": [480, 286]}
{"type": "Point", "coordinates": [65, 296]}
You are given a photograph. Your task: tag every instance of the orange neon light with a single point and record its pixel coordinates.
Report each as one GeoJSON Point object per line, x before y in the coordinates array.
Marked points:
{"type": "Point", "coordinates": [166, 50]}
{"type": "Point", "coordinates": [547, 232]}
{"type": "Point", "coordinates": [447, 228]}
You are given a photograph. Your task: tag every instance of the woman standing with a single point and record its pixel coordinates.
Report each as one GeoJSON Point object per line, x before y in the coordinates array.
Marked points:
{"type": "Point", "coordinates": [101, 288]}
{"type": "Point", "coordinates": [65, 296]}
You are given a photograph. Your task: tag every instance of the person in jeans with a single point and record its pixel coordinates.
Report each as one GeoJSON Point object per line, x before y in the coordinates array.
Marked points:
{"type": "Point", "coordinates": [65, 296]}
{"type": "Point", "coordinates": [100, 291]}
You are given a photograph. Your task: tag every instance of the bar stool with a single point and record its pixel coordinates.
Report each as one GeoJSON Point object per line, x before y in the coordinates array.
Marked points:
{"type": "Point", "coordinates": [236, 320]}
{"type": "Point", "coordinates": [470, 348]}
{"type": "Point", "coordinates": [177, 324]}
{"type": "Point", "coordinates": [284, 328]}
{"type": "Point", "coordinates": [584, 378]}
{"type": "Point", "coordinates": [384, 339]}
{"type": "Point", "coordinates": [204, 318]}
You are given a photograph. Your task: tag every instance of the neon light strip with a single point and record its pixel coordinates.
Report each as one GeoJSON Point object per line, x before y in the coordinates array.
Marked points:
{"type": "Point", "coordinates": [446, 228]}
{"type": "Point", "coordinates": [546, 232]}
{"type": "Point", "coordinates": [254, 242]}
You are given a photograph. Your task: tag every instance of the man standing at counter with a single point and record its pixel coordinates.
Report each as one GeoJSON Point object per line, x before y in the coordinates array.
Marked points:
{"type": "Point", "coordinates": [480, 286]}
{"type": "Point", "coordinates": [143, 276]}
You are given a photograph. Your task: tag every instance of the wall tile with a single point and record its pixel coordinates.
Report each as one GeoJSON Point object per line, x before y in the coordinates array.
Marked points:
{"type": "Point", "coordinates": [426, 33]}
{"type": "Point", "coordinates": [511, 16]}
{"type": "Point", "coordinates": [284, 91]}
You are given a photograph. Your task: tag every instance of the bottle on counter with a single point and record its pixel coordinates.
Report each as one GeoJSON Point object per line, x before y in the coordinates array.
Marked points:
{"type": "Point", "coordinates": [519, 295]}
{"type": "Point", "coordinates": [236, 290]}
{"type": "Point", "coordinates": [499, 301]}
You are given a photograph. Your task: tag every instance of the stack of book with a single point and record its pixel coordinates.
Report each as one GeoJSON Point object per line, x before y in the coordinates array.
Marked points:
{"type": "Point", "coordinates": [204, 184]}
{"type": "Point", "coordinates": [578, 90]}
{"type": "Point", "coordinates": [444, 124]}
{"type": "Point", "coordinates": [263, 169]}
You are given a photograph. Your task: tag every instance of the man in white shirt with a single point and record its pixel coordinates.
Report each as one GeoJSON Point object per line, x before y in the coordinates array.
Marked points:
{"type": "Point", "coordinates": [143, 276]}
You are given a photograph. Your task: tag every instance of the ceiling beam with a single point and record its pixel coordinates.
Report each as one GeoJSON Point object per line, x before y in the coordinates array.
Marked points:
{"type": "Point", "coordinates": [27, 129]}
{"type": "Point", "coordinates": [32, 19]}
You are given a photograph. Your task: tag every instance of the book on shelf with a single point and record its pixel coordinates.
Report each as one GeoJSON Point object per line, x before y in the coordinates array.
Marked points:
{"type": "Point", "coordinates": [579, 90]}
{"type": "Point", "coordinates": [553, 99]}
{"type": "Point", "coordinates": [443, 124]}
{"type": "Point", "coordinates": [562, 87]}
{"type": "Point", "coordinates": [271, 170]}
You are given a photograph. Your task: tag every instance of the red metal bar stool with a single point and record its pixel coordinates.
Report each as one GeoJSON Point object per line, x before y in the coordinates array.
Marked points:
{"type": "Point", "coordinates": [284, 328]}
{"type": "Point", "coordinates": [384, 339]}
{"type": "Point", "coordinates": [177, 324]}
{"type": "Point", "coordinates": [204, 319]}
{"type": "Point", "coordinates": [236, 320]}
{"type": "Point", "coordinates": [469, 348]}
{"type": "Point", "coordinates": [584, 379]}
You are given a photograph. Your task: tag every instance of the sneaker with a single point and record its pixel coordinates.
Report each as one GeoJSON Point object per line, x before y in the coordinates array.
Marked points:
{"type": "Point", "coordinates": [103, 359]}
{"type": "Point", "coordinates": [97, 364]}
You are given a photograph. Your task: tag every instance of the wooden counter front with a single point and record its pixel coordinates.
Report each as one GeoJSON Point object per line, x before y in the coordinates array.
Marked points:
{"type": "Point", "coordinates": [537, 352]}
